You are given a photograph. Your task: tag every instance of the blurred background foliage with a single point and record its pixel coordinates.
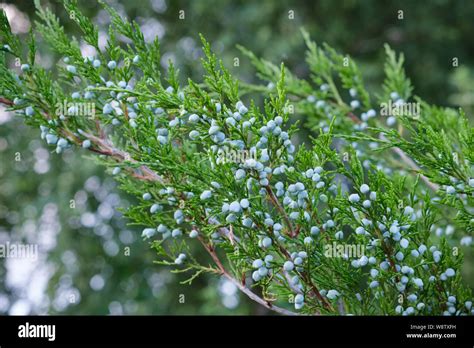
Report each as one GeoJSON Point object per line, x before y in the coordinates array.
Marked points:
{"type": "Point", "coordinates": [85, 266]}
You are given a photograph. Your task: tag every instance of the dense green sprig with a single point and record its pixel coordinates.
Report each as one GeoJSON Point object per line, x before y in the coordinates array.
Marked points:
{"type": "Point", "coordinates": [333, 227]}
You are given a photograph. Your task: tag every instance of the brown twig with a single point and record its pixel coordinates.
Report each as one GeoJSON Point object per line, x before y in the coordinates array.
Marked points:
{"type": "Point", "coordinates": [281, 210]}
{"type": "Point", "coordinates": [6, 101]}
{"type": "Point", "coordinates": [211, 251]}
{"type": "Point", "coordinates": [315, 291]}
{"type": "Point", "coordinates": [103, 147]}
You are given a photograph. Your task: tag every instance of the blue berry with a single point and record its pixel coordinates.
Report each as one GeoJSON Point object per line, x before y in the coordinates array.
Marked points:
{"type": "Point", "coordinates": [355, 104]}
{"type": "Point", "coordinates": [354, 198]}
{"type": "Point", "coordinates": [148, 232]}
{"type": "Point", "coordinates": [178, 261]}
{"type": "Point", "coordinates": [391, 121]}
{"type": "Point", "coordinates": [374, 284]}
{"type": "Point", "coordinates": [51, 139]}
{"type": "Point", "coordinates": [437, 256]}
{"type": "Point", "coordinates": [263, 271]}
{"type": "Point", "coordinates": [155, 207]}
{"type": "Point", "coordinates": [257, 263]}
{"type": "Point", "coordinates": [247, 222]}
{"type": "Point", "coordinates": [450, 190]}
{"type": "Point", "coordinates": [29, 111]}
{"type": "Point", "coordinates": [71, 69]}
{"type": "Point", "coordinates": [394, 96]}
{"type": "Point", "coordinates": [374, 272]}
{"type": "Point", "coordinates": [231, 218]}
{"type": "Point", "coordinates": [268, 259]}
{"type": "Point", "coordinates": [450, 272]}
{"type": "Point", "coordinates": [193, 135]}
{"type": "Point", "coordinates": [404, 243]}
{"type": "Point", "coordinates": [288, 266]}
{"type": "Point", "coordinates": [107, 109]}
{"type": "Point", "coordinates": [62, 143]}
{"type": "Point", "coordinates": [213, 130]}
{"type": "Point", "coordinates": [244, 203]}
{"type": "Point", "coordinates": [162, 228]}
{"type": "Point", "coordinates": [294, 215]}
{"type": "Point", "coordinates": [86, 144]}
{"type": "Point", "coordinates": [178, 215]}
{"type": "Point", "coordinates": [320, 104]}
{"type": "Point", "coordinates": [176, 233]}
{"type": "Point", "coordinates": [363, 260]}
{"type": "Point", "coordinates": [205, 195]}
{"type": "Point", "coordinates": [266, 242]}
{"type": "Point", "coordinates": [243, 110]}
{"type": "Point", "coordinates": [256, 276]}
{"type": "Point", "coordinates": [193, 118]}
{"type": "Point", "coordinates": [163, 140]}
{"type": "Point", "coordinates": [235, 207]}
{"type": "Point", "coordinates": [303, 254]}
{"type": "Point", "coordinates": [332, 294]}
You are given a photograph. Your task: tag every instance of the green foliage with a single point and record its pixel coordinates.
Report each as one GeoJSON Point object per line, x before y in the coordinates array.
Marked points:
{"type": "Point", "coordinates": [211, 173]}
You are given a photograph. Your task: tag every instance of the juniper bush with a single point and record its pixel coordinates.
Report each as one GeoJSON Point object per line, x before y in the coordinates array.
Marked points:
{"type": "Point", "coordinates": [266, 222]}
